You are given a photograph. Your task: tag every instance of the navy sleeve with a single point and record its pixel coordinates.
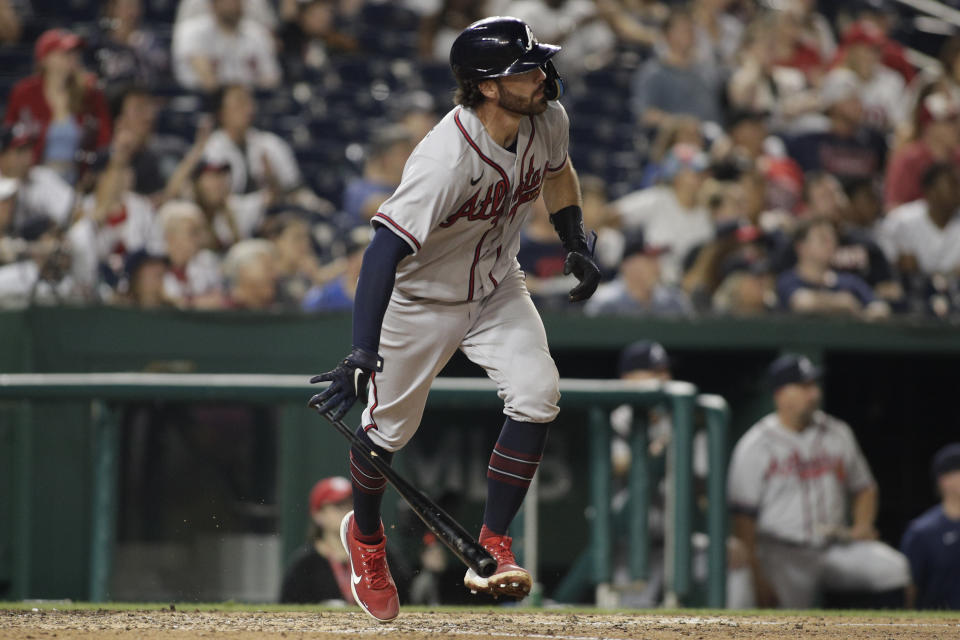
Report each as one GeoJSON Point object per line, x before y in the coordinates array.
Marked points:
{"type": "Point", "coordinates": [377, 275]}
{"type": "Point", "coordinates": [787, 284]}
{"type": "Point", "coordinates": [855, 285]}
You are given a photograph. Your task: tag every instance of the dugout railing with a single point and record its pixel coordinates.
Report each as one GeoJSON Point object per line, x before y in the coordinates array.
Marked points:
{"type": "Point", "coordinates": [106, 391]}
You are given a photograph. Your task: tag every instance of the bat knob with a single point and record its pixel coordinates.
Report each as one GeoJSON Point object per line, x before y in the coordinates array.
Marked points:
{"type": "Point", "coordinates": [486, 567]}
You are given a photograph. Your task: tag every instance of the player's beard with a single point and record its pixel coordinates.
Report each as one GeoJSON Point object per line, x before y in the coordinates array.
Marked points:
{"type": "Point", "coordinates": [514, 103]}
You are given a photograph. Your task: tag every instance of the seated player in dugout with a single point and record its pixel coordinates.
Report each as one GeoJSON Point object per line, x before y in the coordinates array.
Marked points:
{"type": "Point", "coordinates": [441, 274]}
{"type": "Point", "coordinates": [793, 477]}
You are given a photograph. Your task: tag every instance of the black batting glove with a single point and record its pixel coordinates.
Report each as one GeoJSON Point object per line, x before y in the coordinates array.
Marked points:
{"type": "Point", "coordinates": [568, 223]}
{"type": "Point", "coordinates": [347, 383]}
{"type": "Point", "coordinates": [586, 271]}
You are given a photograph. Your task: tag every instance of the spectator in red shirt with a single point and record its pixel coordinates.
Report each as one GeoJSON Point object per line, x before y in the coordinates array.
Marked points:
{"type": "Point", "coordinates": [937, 120]}
{"type": "Point", "coordinates": [61, 103]}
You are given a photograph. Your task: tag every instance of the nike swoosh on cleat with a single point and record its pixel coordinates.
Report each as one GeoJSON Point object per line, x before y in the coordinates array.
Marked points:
{"type": "Point", "coordinates": [474, 182]}
{"type": "Point", "coordinates": [356, 578]}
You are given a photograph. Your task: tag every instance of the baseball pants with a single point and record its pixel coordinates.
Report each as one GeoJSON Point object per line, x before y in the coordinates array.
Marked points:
{"type": "Point", "coordinates": [503, 333]}
{"type": "Point", "coordinates": [800, 574]}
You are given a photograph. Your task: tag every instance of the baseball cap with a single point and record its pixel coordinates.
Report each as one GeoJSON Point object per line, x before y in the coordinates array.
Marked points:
{"type": "Point", "coordinates": [683, 156]}
{"type": "Point", "coordinates": [210, 163]}
{"type": "Point", "coordinates": [329, 491]}
{"type": "Point", "coordinates": [55, 40]}
{"type": "Point", "coordinates": [838, 85]}
{"type": "Point", "coordinates": [947, 459]}
{"type": "Point", "coordinates": [643, 355]}
{"type": "Point", "coordinates": [792, 369]}
{"type": "Point", "coordinates": [635, 243]}
{"type": "Point", "coordinates": [16, 135]}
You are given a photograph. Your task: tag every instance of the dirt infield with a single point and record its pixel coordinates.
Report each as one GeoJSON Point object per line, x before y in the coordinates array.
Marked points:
{"type": "Point", "coordinates": [465, 625]}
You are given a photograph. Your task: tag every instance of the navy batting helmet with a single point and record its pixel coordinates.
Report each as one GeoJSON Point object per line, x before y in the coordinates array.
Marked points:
{"type": "Point", "coordinates": [502, 46]}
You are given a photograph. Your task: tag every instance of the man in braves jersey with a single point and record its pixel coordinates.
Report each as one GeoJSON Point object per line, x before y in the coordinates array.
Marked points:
{"type": "Point", "coordinates": [441, 274]}
{"type": "Point", "coordinates": [791, 476]}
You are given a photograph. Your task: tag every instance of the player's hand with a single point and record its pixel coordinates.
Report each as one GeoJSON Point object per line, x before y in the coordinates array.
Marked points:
{"type": "Point", "coordinates": [586, 271]}
{"type": "Point", "coordinates": [347, 383]}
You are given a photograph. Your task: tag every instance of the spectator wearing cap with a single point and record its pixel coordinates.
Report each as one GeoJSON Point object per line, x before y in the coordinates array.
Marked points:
{"type": "Point", "coordinates": [793, 477]}
{"type": "Point", "coordinates": [258, 159]}
{"type": "Point", "coordinates": [881, 88]}
{"type": "Point", "coordinates": [319, 570]}
{"type": "Point", "coordinates": [250, 271]}
{"type": "Point", "coordinates": [41, 192]}
{"type": "Point", "coordinates": [813, 287]}
{"type": "Point", "coordinates": [638, 289]}
{"type": "Point", "coordinates": [224, 47]}
{"type": "Point", "coordinates": [746, 289]}
{"type": "Point", "coordinates": [932, 540]}
{"type": "Point", "coordinates": [882, 16]}
{"type": "Point", "coordinates": [338, 294]}
{"type": "Point", "coordinates": [387, 153]}
{"type": "Point", "coordinates": [60, 103]}
{"type": "Point", "coordinates": [671, 214]}
{"type": "Point", "coordinates": [847, 147]}
{"type": "Point", "coordinates": [123, 50]}
{"type": "Point", "coordinates": [194, 279]}
{"type": "Point", "coordinates": [230, 217]}
{"type": "Point", "coordinates": [937, 127]}
{"type": "Point", "coordinates": [673, 83]}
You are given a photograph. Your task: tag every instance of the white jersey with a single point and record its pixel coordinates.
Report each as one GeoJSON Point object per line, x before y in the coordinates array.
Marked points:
{"type": "Point", "coordinates": [463, 199]}
{"type": "Point", "coordinates": [796, 484]}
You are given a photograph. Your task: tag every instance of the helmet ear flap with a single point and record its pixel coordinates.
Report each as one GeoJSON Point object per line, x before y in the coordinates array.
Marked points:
{"type": "Point", "coordinates": [553, 85]}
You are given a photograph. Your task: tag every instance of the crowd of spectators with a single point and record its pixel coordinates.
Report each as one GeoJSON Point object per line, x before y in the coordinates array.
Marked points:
{"type": "Point", "coordinates": [741, 157]}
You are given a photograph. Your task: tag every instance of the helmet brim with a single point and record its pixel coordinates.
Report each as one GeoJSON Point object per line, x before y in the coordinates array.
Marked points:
{"type": "Point", "coordinates": [536, 57]}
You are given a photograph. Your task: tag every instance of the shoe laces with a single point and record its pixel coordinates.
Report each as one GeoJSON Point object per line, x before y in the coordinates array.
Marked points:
{"type": "Point", "coordinates": [373, 564]}
{"type": "Point", "coordinates": [499, 548]}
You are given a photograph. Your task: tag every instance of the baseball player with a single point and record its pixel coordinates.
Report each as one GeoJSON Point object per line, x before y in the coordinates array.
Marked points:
{"type": "Point", "coordinates": [790, 478]}
{"type": "Point", "coordinates": [441, 274]}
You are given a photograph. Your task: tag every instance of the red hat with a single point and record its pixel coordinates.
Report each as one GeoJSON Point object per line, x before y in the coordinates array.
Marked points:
{"type": "Point", "coordinates": [329, 491]}
{"type": "Point", "coordinates": [55, 40]}
{"type": "Point", "coordinates": [864, 33]}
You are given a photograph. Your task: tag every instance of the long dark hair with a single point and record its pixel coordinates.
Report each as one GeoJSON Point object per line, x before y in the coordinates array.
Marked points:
{"type": "Point", "coordinates": [468, 94]}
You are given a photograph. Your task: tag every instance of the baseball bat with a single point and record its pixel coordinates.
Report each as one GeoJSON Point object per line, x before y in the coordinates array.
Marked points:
{"type": "Point", "coordinates": [441, 523]}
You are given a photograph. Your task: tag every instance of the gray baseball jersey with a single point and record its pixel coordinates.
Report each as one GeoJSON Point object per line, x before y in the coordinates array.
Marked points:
{"type": "Point", "coordinates": [463, 199]}
{"type": "Point", "coordinates": [797, 484]}
{"type": "Point", "coordinates": [460, 206]}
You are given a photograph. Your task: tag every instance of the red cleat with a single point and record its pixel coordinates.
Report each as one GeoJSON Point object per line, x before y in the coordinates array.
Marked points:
{"type": "Point", "coordinates": [510, 579]}
{"type": "Point", "coordinates": [370, 580]}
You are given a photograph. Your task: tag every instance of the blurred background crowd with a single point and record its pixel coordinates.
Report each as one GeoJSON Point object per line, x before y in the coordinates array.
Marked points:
{"type": "Point", "coordinates": [738, 157]}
